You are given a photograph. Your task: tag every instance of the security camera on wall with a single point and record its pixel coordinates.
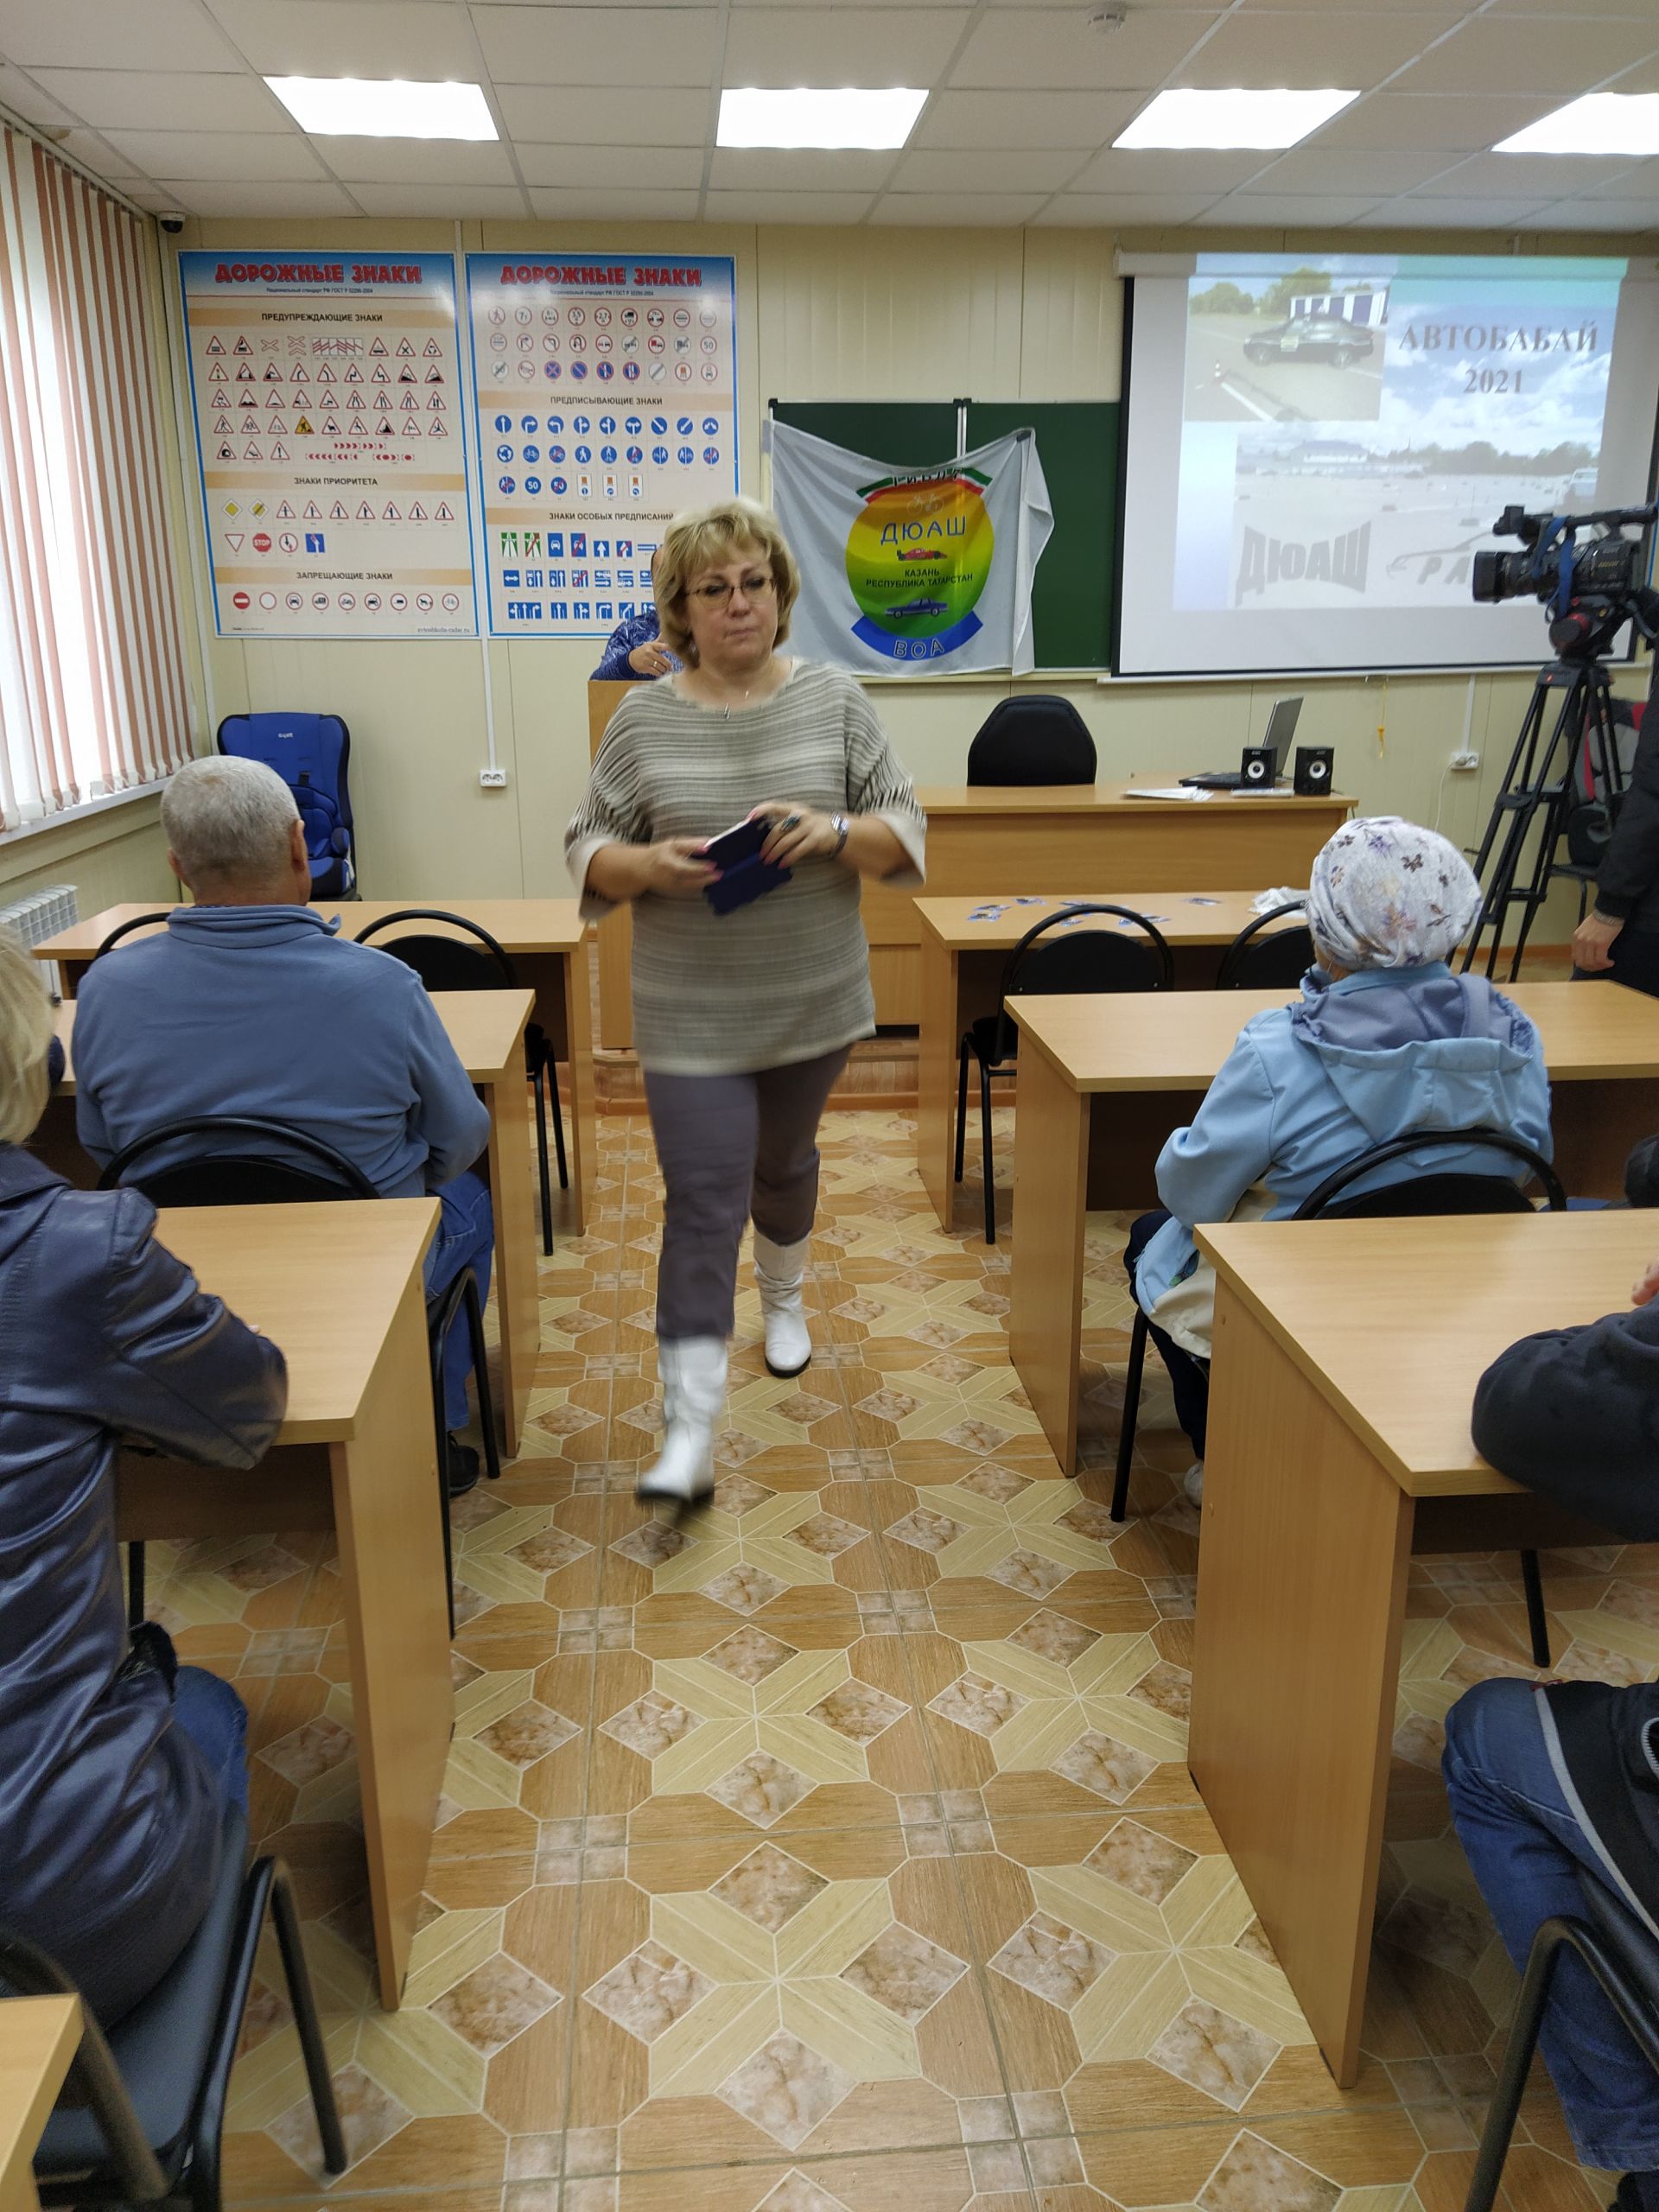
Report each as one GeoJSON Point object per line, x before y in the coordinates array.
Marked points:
{"type": "Point", "coordinates": [172, 222]}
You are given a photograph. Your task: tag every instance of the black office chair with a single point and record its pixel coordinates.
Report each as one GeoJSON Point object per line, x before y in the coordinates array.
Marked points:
{"type": "Point", "coordinates": [141, 2117]}
{"type": "Point", "coordinates": [1617, 1951]}
{"type": "Point", "coordinates": [1255, 962]}
{"type": "Point", "coordinates": [126, 929]}
{"type": "Point", "coordinates": [1085, 960]}
{"type": "Point", "coordinates": [237, 1179]}
{"type": "Point", "coordinates": [1463, 1193]}
{"type": "Point", "coordinates": [442, 964]}
{"type": "Point", "coordinates": [1037, 738]}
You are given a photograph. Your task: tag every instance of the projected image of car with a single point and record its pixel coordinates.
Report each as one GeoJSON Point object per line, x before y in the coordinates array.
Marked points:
{"type": "Point", "coordinates": [917, 610]}
{"type": "Point", "coordinates": [1286, 355]}
{"type": "Point", "coordinates": [1312, 338]}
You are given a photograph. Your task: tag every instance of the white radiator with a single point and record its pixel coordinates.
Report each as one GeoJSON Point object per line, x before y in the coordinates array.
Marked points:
{"type": "Point", "coordinates": [41, 915]}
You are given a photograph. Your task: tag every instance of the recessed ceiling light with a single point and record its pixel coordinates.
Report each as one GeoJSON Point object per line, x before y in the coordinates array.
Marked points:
{"type": "Point", "coordinates": [1188, 117]}
{"type": "Point", "coordinates": [363, 107]}
{"type": "Point", "coordinates": [1600, 123]}
{"type": "Point", "coordinates": [810, 116]}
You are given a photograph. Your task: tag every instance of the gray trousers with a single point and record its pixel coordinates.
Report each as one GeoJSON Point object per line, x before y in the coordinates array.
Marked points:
{"type": "Point", "coordinates": [732, 1148]}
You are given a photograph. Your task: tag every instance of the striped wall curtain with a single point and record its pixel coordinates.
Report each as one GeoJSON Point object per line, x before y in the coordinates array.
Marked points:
{"type": "Point", "coordinates": [92, 689]}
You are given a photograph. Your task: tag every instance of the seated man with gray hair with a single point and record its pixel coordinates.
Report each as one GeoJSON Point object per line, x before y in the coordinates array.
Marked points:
{"type": "Point", "coordinates": [252, 1004]}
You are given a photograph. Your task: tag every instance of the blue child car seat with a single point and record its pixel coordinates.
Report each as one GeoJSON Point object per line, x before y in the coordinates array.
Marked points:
{"type": "Point", "coordinates": [312, 754]}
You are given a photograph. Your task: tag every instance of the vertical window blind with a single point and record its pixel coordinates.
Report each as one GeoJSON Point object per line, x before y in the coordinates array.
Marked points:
{"type": "Point", "coordinates": [92, 689]}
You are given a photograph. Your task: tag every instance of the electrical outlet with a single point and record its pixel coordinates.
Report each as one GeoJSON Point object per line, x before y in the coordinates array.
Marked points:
{"type": "Point", "coordinates": [1462, 762]}
{"type": "Point", "coordinates": [493, 780]}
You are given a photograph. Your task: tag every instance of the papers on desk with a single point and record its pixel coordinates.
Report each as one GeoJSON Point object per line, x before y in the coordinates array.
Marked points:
{"type": "Point", "coordinates": [993, 910]}
{"type": "Point", "coordinates": [1289, 894]}
{"type": "Point", "coordinates": [1189, 793]}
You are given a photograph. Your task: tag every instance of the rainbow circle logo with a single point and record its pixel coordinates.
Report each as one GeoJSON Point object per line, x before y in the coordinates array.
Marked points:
{"type": "Point", "coordinates": [918, 556]}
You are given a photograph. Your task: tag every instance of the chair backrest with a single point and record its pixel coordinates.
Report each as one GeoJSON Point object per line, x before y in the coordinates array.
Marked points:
{"type": "Point", "coordinates": [94, 2080]}
{"type": "Point", "coordinates": [1255, 962]}
{"type": "Point", "coordinates": [126, 929]}
{"type": "Point", "coordinates": [237, 1178]}
{"type": "Point", "coordinates": [312, 754]}
{"type": "Point", "coordinates": [1038, 738]}
{"type": "Point", "coordinates": [1464, 1191]}
{"type": "Point", "coordinates": [441, 963]}
{"type": "Point", "coordinates": [1133, 958]}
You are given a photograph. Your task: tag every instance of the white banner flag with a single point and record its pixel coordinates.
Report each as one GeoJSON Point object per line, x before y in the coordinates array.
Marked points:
{"type": "Point", "coordinates": [913, 571]}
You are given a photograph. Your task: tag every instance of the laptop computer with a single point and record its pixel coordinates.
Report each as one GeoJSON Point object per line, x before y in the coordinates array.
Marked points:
{"type": "Point", "coordinates": [1282, 728]}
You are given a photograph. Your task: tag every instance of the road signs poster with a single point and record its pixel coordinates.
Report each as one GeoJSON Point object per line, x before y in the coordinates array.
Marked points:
{"type": "Point", "coordinates": [607, 388]}
{"type": "Point", "coordinates": [329, 414]}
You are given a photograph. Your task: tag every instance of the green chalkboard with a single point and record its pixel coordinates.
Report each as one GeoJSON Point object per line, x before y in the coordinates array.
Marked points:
{"type": "Point", "coordinates": [905, 433]}
{"type": "Point", "coordinates": [1072, 598]}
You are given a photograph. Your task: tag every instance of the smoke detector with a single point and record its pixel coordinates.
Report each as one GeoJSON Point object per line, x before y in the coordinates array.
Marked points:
{"type": "Point", "coordinates": [1110, 18]}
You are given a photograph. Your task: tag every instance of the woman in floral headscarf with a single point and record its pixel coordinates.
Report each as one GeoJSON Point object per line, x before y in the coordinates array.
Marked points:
{"type": "Point", "coordinates": [1384, 1039]}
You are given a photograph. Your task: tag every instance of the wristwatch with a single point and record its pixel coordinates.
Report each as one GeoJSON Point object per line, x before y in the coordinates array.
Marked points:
{"type": "Point", "coordinates": [840, 825]}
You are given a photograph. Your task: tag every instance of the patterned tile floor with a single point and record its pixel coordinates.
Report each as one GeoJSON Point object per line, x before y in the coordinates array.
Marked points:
{"type": "Point", "coordinates": [840, 1854]}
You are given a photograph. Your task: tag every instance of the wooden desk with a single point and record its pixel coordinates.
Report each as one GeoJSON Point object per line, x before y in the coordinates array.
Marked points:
{"type": "Point", "coordinates": [344, 1298]}
{"type": "Point", "coordinates": [1104, 1081]}
{"type": "Point", "coordinates": [549, 949]}
{"type": "Point", "coordinates": [39, 2036]}
{"type": "Point", "coordinates": [487, 1030]}
{"type": "Point", "coordinates": [984, 843]}
{"type": "Point", "coordinates": [1346, 1356]}
{"type": "Point", "coordinates": [962, 965]}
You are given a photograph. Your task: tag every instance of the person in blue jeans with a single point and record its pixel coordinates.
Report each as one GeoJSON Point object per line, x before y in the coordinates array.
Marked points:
{"type": "Point", "coordinates": [251, 1003]}
{"type": "Point", "coordinates": [118, 1769]}
{"type": "Point", "coordinates": [1553, 1780]}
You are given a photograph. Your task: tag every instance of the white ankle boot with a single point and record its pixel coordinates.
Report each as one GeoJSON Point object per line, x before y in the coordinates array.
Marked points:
{"type": "Point", "coordinates": [693, 1370]}
{"type": "Point", "coordinates": [778, 1272]}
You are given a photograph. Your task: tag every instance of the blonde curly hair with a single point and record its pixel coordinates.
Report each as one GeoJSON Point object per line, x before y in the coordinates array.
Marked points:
{"type": "Point", "coordinates": [702, 538]}
{"type": "Point", "coordinates": [25, 1038]}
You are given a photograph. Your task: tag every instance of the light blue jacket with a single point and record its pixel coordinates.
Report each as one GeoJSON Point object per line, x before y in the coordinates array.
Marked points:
{"type": "Point", "coordinates": [264, 1010]}
{"type": "Point", "coordinates": [1309, 1087]}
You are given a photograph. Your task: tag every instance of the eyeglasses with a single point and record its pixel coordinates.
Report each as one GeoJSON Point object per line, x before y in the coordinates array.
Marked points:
{"type": "Point", "coordinates": [759, 586]}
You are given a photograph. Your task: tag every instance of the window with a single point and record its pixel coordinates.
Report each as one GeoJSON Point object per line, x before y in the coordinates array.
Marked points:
{"type": "Point", "coordinates": [93, 691]}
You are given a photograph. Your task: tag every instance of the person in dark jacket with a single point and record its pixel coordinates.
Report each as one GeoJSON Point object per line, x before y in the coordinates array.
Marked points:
{"type": "Point", "coordinates": [114, 1785]}
{"type": "Point", "coordinates": [1620, 935]}
{"type": "Point", "coordinates": [1549, 1778]}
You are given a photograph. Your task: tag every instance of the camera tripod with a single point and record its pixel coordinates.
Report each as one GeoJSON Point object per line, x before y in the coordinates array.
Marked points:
{"type": "Point", "coordinates": [1539, 791]}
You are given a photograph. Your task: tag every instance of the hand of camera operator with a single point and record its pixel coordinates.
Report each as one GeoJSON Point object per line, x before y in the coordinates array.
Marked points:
{"type": "Point", "coordinates": [1592, 942]}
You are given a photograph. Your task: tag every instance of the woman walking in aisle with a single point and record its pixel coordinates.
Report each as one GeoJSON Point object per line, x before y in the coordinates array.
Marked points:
{"type": "Point", "coordinates": [742, 1020]}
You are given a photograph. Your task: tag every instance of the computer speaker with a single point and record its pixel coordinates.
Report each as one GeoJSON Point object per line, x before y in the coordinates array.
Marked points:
{"type": "Point", "coordinates": [1257, 766]}
{"type": "Point", "coordinates": [1312, 778]}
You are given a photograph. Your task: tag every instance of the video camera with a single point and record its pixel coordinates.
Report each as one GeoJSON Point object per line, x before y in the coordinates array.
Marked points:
{"type": "Point", "coordinates": [1591, 591]}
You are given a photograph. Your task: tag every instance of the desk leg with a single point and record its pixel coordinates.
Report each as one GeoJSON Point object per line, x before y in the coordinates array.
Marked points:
{"type": "Point", "coordinates": [936, 1076]}
{"type": "Point", "coordinates": [1300, 1604]}
{"type": "Point", "coordinates": [512, 1189]}
{"type": "Point", "coordinates": [580, 1136]}
{"type": "Point", "coordinates": [386, 1515]}
{"type": "Point", "coordinates": [1051, 1162]}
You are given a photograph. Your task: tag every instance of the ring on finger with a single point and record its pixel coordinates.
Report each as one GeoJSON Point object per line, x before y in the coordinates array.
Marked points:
{"type": "Point", "coordinates": [790, 822]}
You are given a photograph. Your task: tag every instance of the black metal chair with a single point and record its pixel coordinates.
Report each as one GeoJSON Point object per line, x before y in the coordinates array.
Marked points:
{"type": "Point", "coordinates": [141, 2117]}
{"type": "Point", "coordinates": [1085, 960]}
{"type": "Point", "coordinates": [444, 964]}
{"type": "Point", "coordinates": [1255, 962]}
{"type": "Point", "coordinates": [235, 1179]}
{"type": "Point", "coordinates": [126, 929]}
{"type": "Point", "coordinates": [1617, 1951]}
{"type": "Point", "coordinates": [1037, 738]}
{"type": "Point", "coordinates": [1463, 1193]}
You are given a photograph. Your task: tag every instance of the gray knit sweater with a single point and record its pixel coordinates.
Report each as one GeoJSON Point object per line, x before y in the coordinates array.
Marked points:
{"type": "Point", "coordinates": [788, 977]}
